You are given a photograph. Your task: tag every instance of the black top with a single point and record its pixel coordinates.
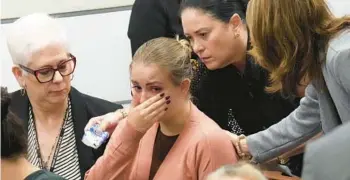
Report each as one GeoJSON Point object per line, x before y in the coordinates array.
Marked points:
{"type": "Point", "coordinates": [226, 95]}
{"type": "Point", "coordinates": [161, 148]}
{"type": "Point", "coordinates": [238, 101]}
{"type": "Point", "coordinates": [152, 19]}
{"type": "Point", "coordinates": [84, 107]}
{"type": "Point", "coordinates": [43, 175]}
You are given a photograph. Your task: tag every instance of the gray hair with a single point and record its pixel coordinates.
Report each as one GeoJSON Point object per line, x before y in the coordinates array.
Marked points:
{"type": "Point", "coordinates": [241, 169]}
{"type": "Point", "coordinates": [31, 33]}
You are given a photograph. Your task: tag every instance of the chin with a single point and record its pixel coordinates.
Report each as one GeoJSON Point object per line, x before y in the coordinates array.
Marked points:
{"type": "Point", "coordinates": [212, 66]}
{"type": "Point", "coordinates": [57, 99]}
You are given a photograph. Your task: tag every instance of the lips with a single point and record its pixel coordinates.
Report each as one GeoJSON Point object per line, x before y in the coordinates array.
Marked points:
{"type": "Point", "coordinates": [58, 92]}
{"type": "Point", "coordinates": [205, 59]}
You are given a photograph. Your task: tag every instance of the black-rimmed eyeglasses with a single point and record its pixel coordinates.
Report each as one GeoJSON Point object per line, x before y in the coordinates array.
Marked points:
{"type": "Point", "coordinates": [44, 75]}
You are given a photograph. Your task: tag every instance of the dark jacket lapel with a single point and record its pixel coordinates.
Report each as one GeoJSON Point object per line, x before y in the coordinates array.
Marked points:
{"type": "Point", "coordinates": [80, 119]}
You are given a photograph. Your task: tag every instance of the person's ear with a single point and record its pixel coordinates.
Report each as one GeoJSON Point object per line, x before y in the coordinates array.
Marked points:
{"type": "Point", "coordinates": [235, 23]}
{"type": "Point", "coordinates": [19, 75]}
{"type": "Point", "coordinates": [185, 86]}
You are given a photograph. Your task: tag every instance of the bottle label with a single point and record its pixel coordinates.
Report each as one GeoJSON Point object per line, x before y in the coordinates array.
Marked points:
{"type": "Point", "coordinates": [94, 137]}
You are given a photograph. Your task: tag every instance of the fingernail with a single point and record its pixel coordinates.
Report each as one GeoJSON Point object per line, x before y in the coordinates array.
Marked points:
{"type": "Point", "coordinates": [162, 95]}
{"type": "Point", "coordinates": [166, 109]}
{"type": "Point", "coordinates": [167, 98]}
{"type": "Point", "coordinates": [168, 101]}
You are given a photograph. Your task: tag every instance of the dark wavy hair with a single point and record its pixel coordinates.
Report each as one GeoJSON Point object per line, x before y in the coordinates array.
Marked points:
{"type": "Point", "coordinates": [13, 134]}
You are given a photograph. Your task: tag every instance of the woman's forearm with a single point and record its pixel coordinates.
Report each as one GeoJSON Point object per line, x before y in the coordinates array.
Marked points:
{"type": "Point", "coordinates": [116, 162]}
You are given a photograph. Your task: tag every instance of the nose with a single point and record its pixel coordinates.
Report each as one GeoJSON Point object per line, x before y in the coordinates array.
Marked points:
{"type": "Point", "coordinates": [57, 77]}
{"type": "Point", "coordinates": [144, 96]}
{"type": "Point", "coordinates": [197, 47]}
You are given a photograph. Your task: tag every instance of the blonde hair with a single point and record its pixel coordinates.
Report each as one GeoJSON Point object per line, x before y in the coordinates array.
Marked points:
{"type": "Point", "coordinates": [290, 39]}
{"type": "Point", "coordinates": [240, 169]}
{"type": "Point", "coordinates": [172, 54]}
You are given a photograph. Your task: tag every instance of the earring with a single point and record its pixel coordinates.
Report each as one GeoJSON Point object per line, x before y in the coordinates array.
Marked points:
{"type": "Point", "coordinates": [72, 77]}
{"type": "Point", "coordinates": [23, 91]}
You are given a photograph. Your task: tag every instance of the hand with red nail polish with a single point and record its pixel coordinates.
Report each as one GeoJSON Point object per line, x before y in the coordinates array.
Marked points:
{"type": "Point", "coordinates": [143, 116]}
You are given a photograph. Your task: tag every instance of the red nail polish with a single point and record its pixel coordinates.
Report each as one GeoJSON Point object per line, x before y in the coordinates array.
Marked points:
{"type": "Point", "coordinates": [168, 102]}
{"type": "Point", "coordinates": [162, 95]}
{"type": "Point", "coordinates": [166, 109]}
{"type": "Point", "coordinates": [167, 98]}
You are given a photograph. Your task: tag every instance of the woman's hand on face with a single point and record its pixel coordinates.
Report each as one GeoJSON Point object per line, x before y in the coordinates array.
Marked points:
{"type": "Point", "coordinates": [144, 115]}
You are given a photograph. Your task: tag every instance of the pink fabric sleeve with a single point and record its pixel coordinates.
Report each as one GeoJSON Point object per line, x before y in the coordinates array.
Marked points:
{"type": "Point", "coordinates": [116, 162]}
{"type": "Point", "coordinates": [214, 151]}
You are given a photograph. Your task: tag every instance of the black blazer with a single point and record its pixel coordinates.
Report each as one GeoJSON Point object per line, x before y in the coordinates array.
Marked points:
{"type": "Point", "coordinates": [84, 107]}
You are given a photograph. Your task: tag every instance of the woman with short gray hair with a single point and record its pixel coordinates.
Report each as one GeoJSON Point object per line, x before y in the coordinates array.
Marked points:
{"type": "Point", "coordinates": [54, 112]}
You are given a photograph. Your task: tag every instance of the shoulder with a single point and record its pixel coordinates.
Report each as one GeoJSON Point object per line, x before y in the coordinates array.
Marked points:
{"type": "Point", "coordinates": [338, 49]}
{"type": "Point", "coordinates": [212, 150]}
{"type": "Point", "coordinates": [43, 175]}
{"type": "Point", "coordinates": [94, 103]}
{"type": "Point", "coordinates": [340, 42]}
{"type": "Point", "coordinates": [210, 135]}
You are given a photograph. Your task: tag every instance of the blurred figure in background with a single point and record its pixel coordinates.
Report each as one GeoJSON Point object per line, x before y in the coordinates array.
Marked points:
{"type": "Point", "coordinates": [152, 19]}
{"type": "Point", "coordinates": [53, 112]}
{"type": "Point", "coordinates": [14, 165]}
{"type": "Point", "coordinates": [239, 171]}
{"type": "Point", "coordinates": [328, 157]}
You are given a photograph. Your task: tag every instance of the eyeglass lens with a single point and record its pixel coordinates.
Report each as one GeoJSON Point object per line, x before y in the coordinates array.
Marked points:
{"type": "Point", "coordinates": [46, 74]}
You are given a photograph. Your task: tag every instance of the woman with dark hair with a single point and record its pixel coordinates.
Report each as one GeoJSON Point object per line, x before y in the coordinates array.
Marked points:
{"type": "Point", "coordinates": [312, 49]}
{"type": "Point", "coordinates": [230, 87]}
{"type": "Point", "coordinates": [14, 164]}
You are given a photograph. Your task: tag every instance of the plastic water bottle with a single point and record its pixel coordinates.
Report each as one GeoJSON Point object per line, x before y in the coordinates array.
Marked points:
{"type": "Point", "coordinates": [94, 137]}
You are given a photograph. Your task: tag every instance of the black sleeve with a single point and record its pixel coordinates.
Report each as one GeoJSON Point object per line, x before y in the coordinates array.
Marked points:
{"type": "Point", "coordinates": [147, 21]}
{"type": "Point", "coordinates": [97, 107]}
